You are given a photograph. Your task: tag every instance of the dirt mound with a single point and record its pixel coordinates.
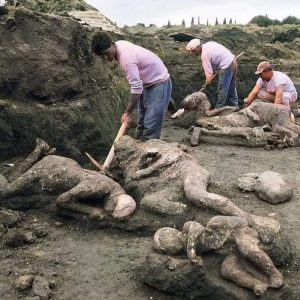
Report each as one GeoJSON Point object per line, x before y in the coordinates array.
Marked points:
{"type": "Point", "coordinates": [55, 6]}
{"type": "Point", "coordinates": [56, 89]}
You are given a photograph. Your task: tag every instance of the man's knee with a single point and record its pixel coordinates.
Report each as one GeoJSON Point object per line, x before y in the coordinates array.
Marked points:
{"type": "Point", "coordinates": [288, 99]}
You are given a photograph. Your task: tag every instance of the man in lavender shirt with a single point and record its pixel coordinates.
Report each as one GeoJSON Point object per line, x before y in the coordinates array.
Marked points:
{"type": "Point", "coordinates": [218, 59]}
{"type": "Point", "coordinates": [148, 78]}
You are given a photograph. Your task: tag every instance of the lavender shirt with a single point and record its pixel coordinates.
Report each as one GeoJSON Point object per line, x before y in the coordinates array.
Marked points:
{"type": "Point", "coordinates": [141, 66]}
{"type": "Point", "coordinates": [214, 56]}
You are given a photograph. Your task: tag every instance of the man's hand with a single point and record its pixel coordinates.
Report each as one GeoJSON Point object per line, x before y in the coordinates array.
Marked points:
{"type": "Point", "coordinates": [208, 81]}
{"type": "Point", "coordinates": [126, 117]}
{"type": "Point", "coordinates": [246, 102]}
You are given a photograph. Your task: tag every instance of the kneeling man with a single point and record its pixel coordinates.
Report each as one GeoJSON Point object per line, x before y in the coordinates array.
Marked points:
{"type": "Point", "coordinates": [273, 86]}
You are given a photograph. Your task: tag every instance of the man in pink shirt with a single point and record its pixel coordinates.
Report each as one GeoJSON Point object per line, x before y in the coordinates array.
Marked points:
{"type": "Point", "coordinates": [218, 59]}
{"type": "Point", "coordinates": [148, 78]}
{"type": "Point", "coordinates": [272, 86]}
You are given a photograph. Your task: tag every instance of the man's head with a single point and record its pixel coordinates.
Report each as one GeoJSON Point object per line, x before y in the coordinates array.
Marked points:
{"type": "Point", "coordinates": [264, 70]}
{"type": "Point", "coordinates": [103, 45]}
{"type": "Point", "coordinates": [194, 46]}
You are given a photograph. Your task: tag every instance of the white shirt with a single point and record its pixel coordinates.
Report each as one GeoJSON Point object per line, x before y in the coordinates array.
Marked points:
{"type": "Point", "coordinates": [278, 79]}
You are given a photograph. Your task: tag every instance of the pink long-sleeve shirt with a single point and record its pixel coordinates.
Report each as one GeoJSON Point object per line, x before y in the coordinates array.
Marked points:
{"type": "Point", "coordinates": [215, 56]}
{"type": "Point", "coordinates": [141, 66]}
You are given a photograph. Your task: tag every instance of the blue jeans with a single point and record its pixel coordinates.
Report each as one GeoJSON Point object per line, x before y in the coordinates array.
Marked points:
{"type": "Point", "coordinates": [227, 94]}
{"type": "Point", "coordinates": [152, 109]}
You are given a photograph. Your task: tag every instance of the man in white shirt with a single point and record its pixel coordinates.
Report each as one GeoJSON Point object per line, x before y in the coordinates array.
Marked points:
{"type": "Point", "coordinates": [272, 86]}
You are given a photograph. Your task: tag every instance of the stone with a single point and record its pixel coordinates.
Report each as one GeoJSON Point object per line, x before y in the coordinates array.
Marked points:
{"type": "Point", "coordinates": [8, 217]}
{"type": "Point", "coordinates": [30, 237]}
{"type": "Point", "coordinates": [273, 188]}
{"type": "Point", "coordinates": [15, 238]}
{"type": "Point", "coordinates": [3, 181]}
{"type": "Point", "coordinates": [269, 186]}
{"type": "Point", "coordinates": [168, 240]}
{"type": "Point", "coordinates": [194, 141]}
{"type": "Point", "coordinates": [24, 282]}
{"type": "Point", "coordinates": [40, 232]}
{"type": "Point", "coordinates": [247, 181]}
{"type": "Point", "coordinates": [40, 287]}
{"type": "Point", "coordinates": [176, 276]}
{"type": "Point", "coordinates": [3, 231]}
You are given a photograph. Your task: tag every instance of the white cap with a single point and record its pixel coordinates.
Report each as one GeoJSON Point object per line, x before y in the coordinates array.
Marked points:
{"type": "Point", "coordinates": [193, 44]}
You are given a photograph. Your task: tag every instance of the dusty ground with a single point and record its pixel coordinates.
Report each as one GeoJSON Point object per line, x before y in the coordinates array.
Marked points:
{"type": "Point", "coordinates": [86, 263]}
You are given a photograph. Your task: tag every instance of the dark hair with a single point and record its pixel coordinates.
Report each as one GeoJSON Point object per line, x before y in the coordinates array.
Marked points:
{"type": "Point", "coordinates": [101, 41]}
{"type": "Point", "coordinates": [268, 69]}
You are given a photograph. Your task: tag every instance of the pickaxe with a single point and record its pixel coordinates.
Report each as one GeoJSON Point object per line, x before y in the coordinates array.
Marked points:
{"type": "Point", "coordinates": [111, 153]}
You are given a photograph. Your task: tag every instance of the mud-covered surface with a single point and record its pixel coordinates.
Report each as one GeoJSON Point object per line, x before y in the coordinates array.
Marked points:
{"type": "Point", "coordinates": [84, 262]}
{"type": "Point", "coordinates": [80, 262]}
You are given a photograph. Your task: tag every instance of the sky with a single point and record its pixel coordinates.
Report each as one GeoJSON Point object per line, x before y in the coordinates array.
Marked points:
{"type": "Point", "coordinates": [158, 12]}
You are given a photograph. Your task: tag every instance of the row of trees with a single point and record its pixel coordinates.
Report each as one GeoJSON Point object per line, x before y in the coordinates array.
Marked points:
{"type": "Point", "coordinates": [207, 23]}
{"type": "Point", "coordinates": [264, 21]}
{"type": "Point", "coordinates": [260, 20]}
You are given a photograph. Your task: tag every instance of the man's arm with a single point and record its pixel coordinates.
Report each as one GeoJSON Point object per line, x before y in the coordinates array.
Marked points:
{"type": "Point", "coordinates": [136, 85]}
{"type": "Point", "coordinates": [253, 94]}
{"type": "Point", "coordinates": [207, 67]}
{"type": "Point", "coordinates": [134, 100]}
{"type": "Point", "coordinates": [278, 94]}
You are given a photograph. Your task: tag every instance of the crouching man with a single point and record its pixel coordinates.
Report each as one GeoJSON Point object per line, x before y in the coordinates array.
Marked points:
{"type": "Point", "coordinates": [272, 86]}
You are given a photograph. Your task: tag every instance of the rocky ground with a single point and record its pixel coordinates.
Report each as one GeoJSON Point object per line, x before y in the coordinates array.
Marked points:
{"type": "Point", "coordinates": [83, 262]}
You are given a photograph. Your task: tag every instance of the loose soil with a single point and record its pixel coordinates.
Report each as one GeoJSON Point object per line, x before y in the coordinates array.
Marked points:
{"type": "Point", "coordinates": [89, 263]}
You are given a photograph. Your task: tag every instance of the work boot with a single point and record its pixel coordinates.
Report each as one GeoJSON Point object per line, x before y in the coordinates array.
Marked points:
{"type": "Point", "coordinates": [138, 133]}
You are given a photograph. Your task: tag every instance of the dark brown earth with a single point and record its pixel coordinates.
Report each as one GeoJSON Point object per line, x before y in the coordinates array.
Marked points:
{"type": "Point", "coordinates": [94, 263]}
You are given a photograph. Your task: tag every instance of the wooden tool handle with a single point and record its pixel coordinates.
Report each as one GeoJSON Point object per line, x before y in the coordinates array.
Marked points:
{"type": "Point", "coordinates": [111, 153]}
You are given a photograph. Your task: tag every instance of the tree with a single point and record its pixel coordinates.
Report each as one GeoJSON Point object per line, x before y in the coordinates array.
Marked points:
{"type": "Point", "coordinates": [198, 20]}
{"type": "Point", "coordinates": [207, 24]}
{"type": "Point", "coordinates": [230, 21]}
{"type": "Point", "coordinates": [192, 21]}
{"type": "Point", "coordinates": [169, 24]}
{"type": "Point", "coordinates": [224, 22]}
{"type": "Point", "coordinates": [183, 22]}
{"type": "Point", "coordinates": [291, 20]}
{"type": "Point", "coordinates": [276, 22]}
{"type": "Point", "coordinates": [262, 21]}
{"type": "Point", "coordinates": [216, 23]}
